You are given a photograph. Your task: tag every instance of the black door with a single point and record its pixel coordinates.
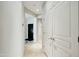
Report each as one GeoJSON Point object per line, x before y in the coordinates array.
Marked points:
{"type": "Point", "coordinates": [30, 32]}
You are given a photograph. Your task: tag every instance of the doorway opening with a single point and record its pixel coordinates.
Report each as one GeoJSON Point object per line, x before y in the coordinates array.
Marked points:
{"type": "Point", "coordinates": [30, 32]}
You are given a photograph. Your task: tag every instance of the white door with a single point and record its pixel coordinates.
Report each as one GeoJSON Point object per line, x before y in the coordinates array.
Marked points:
{"type": "Point", "coordinates": [49, 34]}
{"type": "Point", "coordinates": [65, 29]}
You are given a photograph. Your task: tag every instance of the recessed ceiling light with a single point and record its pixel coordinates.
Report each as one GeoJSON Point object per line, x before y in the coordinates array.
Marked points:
{"type": "Point", "coordinates": [37, 9]}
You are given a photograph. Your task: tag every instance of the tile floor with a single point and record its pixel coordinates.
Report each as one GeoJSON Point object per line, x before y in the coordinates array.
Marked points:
{"type": "Point", "coordinates": [33, 50]}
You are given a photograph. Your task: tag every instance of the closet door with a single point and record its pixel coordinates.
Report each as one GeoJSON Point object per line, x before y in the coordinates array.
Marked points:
{"type": "Point", "coordinates": [65, 29]}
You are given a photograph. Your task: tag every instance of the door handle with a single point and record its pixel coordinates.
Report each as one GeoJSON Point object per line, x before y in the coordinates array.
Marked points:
{"type": "Point", "coordinates": [53, 39]}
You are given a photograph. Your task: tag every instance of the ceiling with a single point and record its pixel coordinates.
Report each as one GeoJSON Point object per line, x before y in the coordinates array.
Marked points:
{"type": "Point", "coordinates": [34, 6]}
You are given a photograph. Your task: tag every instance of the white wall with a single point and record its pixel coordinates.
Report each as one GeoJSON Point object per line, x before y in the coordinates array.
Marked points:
{"type": "Point", "coordinates": [39, 22]}
{"type": "Point", "coordinates": [35, 30]}
{"type": "Point", "coordinates": [11, 30]}
{"type": "Point", "coordinates": [29, 19]}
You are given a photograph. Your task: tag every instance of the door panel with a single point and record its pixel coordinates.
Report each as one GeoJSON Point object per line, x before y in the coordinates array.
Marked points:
{"type": "Point", "coordinates": [62, 20]}
{"type": "Point", "coordinates": [62, 43]}
{"type": "Point", "coordinates": [59, 52]}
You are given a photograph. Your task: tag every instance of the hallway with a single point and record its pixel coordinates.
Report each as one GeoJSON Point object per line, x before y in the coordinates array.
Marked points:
{"type": "Point", "coordinates": [39, 29]}
{"type": "Point", "coordinates": [33, 50]}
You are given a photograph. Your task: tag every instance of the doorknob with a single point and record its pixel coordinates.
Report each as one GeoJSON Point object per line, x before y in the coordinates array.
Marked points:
{"type": "Point", "coordinates": [53, 39]}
